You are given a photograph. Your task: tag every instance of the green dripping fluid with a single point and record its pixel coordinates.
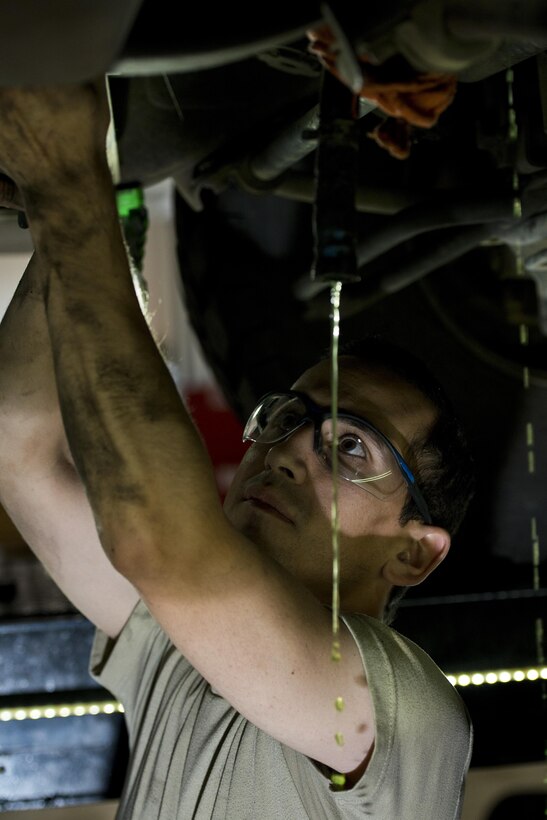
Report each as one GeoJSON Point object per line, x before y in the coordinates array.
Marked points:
{"type": "Point", "coordinates": [335, 524]}
{"type": "Point", "coordinates": [336, 290]}
{"type": "Point", "coordinates": [338, 780]}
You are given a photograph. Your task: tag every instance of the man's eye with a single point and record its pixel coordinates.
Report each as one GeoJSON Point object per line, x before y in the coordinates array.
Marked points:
{"type": "Point", "coordinates": [351, 445]}
{"type": "Point", "coordinates": [278, 422]}
{"type": "Point", "coordinates": [287, 421]}
{"type": "Point", "coordinates": [283, 416]}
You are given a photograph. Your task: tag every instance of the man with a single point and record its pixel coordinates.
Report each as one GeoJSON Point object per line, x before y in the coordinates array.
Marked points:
{"type": "Point", "coordinates": [214, 625]}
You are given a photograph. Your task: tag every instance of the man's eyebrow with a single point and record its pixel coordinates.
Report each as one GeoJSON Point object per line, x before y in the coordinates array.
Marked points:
{"type": "Point", "coordinates": [344, 411]}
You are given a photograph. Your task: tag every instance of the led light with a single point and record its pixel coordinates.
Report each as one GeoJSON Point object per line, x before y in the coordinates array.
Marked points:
{"type": "Point", "coordinates": [532, 673]}
{"type": "Point", "coordinates": [60, 710]}
{"type": "Point", "coordinates": [518, 675]}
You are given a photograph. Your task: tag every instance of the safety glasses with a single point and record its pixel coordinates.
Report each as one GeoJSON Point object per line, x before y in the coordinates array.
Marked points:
{"type": "Point", "coordinates": [366, 457]}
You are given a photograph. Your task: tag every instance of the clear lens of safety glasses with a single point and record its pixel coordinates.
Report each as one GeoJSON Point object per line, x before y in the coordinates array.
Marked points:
{"type": "Point", "coordinates": [276, 417]}
{"type": "Point", "coordinates": [364, 457]}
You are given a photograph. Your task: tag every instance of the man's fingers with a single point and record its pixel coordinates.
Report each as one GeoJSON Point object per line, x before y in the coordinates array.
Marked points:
{"type": "Point", "coordinates": [51, 132]}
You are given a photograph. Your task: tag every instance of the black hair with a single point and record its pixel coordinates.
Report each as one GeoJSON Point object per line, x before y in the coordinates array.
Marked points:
{"type": "Point", "coordinates": [441, 461]}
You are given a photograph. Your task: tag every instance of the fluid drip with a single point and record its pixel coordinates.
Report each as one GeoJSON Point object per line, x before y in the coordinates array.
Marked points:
{"type": "Point", "coordinates": [335, 523]}
{"type": "Point", "coordinates": [338, 780]}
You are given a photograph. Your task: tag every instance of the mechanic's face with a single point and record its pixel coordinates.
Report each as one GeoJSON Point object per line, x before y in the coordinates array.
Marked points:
{"type": "Point", "coordinates": [281, 494]}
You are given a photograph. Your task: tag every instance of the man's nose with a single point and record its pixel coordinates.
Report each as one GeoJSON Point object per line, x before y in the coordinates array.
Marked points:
{"type": "Point", "coordinates": [292, 455]}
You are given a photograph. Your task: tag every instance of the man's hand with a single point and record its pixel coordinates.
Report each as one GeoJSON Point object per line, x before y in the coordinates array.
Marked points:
{"type": "Point", "coordinates": [48, 134]}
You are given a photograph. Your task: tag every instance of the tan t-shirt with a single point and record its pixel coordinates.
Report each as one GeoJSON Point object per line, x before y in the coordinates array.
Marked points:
{"type": "Point", "coordinates": [193, 757]}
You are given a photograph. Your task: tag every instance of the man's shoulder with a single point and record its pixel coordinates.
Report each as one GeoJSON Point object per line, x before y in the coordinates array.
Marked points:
{"type": "Point", "coordinates": [394, 662]}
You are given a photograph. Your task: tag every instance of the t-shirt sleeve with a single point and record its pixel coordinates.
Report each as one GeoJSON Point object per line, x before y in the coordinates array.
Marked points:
{"type": "Point", "coordinates": [128, 666]}
{"type": "Point", "coordinates": [423, 732]}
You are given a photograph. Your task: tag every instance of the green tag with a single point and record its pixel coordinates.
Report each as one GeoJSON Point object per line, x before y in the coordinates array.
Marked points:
{"type": "Point", "coordinates": [129, 199]}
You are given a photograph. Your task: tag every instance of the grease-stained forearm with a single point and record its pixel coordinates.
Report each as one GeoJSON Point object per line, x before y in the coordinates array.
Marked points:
{"type": "Point", "coordinates": [133, 443]}
{"type": "Point", "coordinates": [39, 486]}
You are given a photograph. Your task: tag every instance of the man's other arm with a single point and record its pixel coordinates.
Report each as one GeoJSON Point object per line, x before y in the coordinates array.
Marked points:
{"type": "Point", "coordinates": [39, 486]}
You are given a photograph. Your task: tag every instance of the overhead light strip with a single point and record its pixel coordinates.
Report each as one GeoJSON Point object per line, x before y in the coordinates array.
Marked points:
{"type": "Point", "coordinates": [112, 707]}
{"type": "Point", "coordinates": [517, 675]}
{"type": "Point", "coordinates": [61, 710]}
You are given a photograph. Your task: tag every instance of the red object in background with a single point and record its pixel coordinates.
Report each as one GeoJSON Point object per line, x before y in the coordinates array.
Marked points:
{"type": "Point", "coordinates": [220, 430]}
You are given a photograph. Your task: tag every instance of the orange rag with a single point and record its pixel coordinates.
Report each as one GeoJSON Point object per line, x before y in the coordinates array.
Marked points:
{"type": "Point", "coordinates": [415, 100]}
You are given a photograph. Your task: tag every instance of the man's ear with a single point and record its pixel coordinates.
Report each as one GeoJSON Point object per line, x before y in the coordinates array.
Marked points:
{"type": "Point", "coordinates": [424, 547]}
